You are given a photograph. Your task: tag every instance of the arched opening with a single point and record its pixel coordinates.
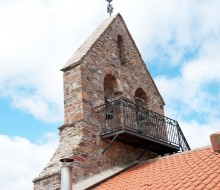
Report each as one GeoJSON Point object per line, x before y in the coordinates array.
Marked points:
{"type": "Point", "coordinates": [121, 48]}
{"type": "Point", "coordinates": [140, 97]}
{"type": "Point", "coordinates": [141, 100]}
{"type": "Point", "coordinates": [111, 89]}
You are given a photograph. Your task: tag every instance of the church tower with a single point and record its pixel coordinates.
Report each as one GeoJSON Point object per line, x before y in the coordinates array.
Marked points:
{"type": "Point", "coordinates": [113, 110]}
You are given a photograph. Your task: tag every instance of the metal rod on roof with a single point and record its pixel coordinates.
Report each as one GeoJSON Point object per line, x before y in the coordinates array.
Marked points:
{"type": "Point", "coordinates": [109, 7]}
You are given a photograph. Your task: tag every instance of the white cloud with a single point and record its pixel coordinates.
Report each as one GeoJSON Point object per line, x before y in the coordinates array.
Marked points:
{"type": "Point", "coordinates": [37, 37]}
{"type": "Point", "coordinates": [198, 135]}
{"type": "Point", "coordinates": [196, 110]}
{"type": "Point", "coordinates": [21, 161]}
{"type": "Point", "coordinates": [192, 95]}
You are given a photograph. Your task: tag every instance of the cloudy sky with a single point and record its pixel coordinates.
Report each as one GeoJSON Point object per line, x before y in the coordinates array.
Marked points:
{"type": "Point", "coordinates": [178, 40]}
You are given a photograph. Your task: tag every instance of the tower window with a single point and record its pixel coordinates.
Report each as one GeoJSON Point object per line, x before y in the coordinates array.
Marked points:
{"type": "Point", "coordinates": [140, 97]}
{"type": "Point", "coordinates": [111, 89]}
{"type": "Point", "coordinates": [121, 48]}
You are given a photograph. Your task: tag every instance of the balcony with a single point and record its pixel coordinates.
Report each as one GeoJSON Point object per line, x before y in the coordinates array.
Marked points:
{"type": "Point", "coordinates": [126, 122]}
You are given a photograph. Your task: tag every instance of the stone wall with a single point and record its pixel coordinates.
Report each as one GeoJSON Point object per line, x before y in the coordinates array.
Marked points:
{"type": "Point", "coordinates": [83, 91]}
{"type": "Point", "coordinates": [51, 182]}
{"type": "Point", "coordinates": [73, 105]}
{"type": "Point", "coordinates": [104, 59]}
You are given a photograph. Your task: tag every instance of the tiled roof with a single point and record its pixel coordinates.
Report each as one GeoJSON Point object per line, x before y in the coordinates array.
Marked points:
{"type": "Point", "coordinates": [196, 169]}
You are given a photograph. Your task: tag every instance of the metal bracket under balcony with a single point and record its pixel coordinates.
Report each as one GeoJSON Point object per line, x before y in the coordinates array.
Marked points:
{"type": "Point", "coordinates": [140, 127]}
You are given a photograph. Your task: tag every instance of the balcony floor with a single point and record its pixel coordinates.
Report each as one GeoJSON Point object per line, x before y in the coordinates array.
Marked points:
{"type": "Point", "coordinates": [139, 140]}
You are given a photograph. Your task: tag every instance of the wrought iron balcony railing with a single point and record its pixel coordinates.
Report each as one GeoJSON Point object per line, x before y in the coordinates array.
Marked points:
{"type": "Point", "coordinates": [137, 125]}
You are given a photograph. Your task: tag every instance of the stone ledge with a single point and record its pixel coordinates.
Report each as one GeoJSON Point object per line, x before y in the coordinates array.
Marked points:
{"type": "Point", "coordinates": [71, 66]}
{"type": "Point", "coordinates": [45, 177]}
{"type": "Point", "coordinates": [70, 125]}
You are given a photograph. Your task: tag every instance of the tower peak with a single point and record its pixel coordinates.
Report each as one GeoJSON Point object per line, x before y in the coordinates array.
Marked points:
{"type": "Point", "coordinates": [110, 7]}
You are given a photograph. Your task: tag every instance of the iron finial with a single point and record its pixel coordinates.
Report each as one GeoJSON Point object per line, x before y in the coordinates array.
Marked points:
{"type": "Point", "coordinates": [109, 7]}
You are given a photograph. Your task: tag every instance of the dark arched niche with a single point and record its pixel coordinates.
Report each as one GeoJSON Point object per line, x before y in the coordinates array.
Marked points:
{"type": "Point", "coordinates": [140, 97]}
{"type": "Point", "coordinates": [111, 89]}
{"type": "Point", "coordinates": [121, 48]}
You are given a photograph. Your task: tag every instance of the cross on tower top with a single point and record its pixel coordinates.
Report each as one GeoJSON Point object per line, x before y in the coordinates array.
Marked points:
{"type": "Point", "coordinates": [109, 7]}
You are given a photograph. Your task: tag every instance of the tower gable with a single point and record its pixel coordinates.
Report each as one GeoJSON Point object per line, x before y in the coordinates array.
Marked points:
{"type": "Point", "coordinates": [111, 47]}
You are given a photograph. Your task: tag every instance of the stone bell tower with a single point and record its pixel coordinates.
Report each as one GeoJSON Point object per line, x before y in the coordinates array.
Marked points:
{"type": "Point", "coordinates": [111, 103]}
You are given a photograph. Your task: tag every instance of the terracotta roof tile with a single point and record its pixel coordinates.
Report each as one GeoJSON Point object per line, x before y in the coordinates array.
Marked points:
{"type": "Point", "coordinates": [196, 169]}
{"type": "Point", "coordinates": [218, 184]}
{"type": "Point", "coordinates": [201, 186]}
{"type": "Point", "coordinates": [216, 179]}
{"type": "Point", "coordinates": [211, 185]}
{"type": "Point", "coordinates": [216, 188]}
{"type": "Point", "coordinates": [187, 184]}
{"type": "Point", "coordinates": [192, 187]}
{"type": "Point", "coordinates": [194, 178]}
{"type": "Point", "coordinates": [178, 186]}
{"type": "Point", "coordinates": [181, 188]}
{"type": "Point", "coordinates": [197, 182]}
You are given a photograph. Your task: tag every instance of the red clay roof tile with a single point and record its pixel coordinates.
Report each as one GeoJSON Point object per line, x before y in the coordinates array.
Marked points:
{"type": "Point", "coordinates": [216, 188]}
{"type": "Point", "coordinates": [192, 187]}
{"type": "Point", "coordinates": [201, 186]}
{"type": "Point", "coordinates": [196, 169]}
{"type": "Point", "coordinates": [211, 185]}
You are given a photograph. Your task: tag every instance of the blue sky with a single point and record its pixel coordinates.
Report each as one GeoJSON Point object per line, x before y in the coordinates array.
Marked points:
{"type": "Point", "coordinates": [22, 123]}
{"type": "Point", "coordinates": [178, 40]}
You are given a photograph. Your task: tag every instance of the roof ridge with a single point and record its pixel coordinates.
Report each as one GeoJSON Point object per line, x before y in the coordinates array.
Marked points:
{"type": "Point", "coordinates": [174, 155]}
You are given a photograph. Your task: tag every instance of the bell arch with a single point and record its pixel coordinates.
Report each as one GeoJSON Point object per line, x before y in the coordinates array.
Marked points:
{"type": "Point", "coordinates": [111, 87]}
{"type": "Point", "coordinates": [141, 97]}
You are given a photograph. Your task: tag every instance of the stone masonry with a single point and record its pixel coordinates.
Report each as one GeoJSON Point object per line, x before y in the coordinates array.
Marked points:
{"type": "Point", "coordinates": [109, 65]}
